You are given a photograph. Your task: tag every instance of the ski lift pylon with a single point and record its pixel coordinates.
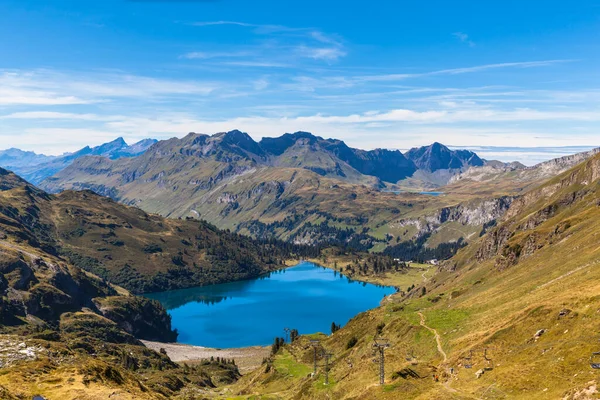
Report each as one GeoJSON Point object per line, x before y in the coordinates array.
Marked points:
{"type": "Point", "coordinates": [467, 361]}
{"type": "Point", "coordinates": [595, 360]}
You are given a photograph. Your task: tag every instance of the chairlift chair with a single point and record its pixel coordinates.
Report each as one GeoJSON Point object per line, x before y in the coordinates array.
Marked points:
{"type": "Point", "coordinates": [467, 361]}
{"type": "Point", "coordinates": [489, 364]}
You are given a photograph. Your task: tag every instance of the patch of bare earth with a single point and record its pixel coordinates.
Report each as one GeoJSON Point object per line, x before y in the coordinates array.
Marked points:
{"type": "Point", "coordinates": [246, 358]}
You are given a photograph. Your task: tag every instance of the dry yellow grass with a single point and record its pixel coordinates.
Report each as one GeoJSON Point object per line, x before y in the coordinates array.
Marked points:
{"type": "Point", "coordinates": [534, 304]}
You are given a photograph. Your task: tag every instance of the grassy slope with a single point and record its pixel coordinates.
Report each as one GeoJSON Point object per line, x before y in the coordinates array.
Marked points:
{"type": "Point", "coordinates": [492, 300]}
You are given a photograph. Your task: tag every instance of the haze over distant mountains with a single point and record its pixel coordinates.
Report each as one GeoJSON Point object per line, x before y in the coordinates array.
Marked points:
{"type": "Point", "coordinates": [327, 157]}
{"type": "Point", "coordinates": [37, 167]}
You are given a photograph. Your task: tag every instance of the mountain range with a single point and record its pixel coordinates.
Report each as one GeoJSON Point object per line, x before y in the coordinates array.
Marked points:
{"type": "Point", "coordinates": [298, 187]}
{"type": "Point", "coordinates": [306, 189]}
{"type": "Point", "coordinates": [37, 167]}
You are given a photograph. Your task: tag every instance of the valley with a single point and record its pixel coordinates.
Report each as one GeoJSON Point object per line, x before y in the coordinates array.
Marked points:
{"type": "Point", "coordinates": [316, 200]}
{"type": "Point", "coordinates": [480, 288]}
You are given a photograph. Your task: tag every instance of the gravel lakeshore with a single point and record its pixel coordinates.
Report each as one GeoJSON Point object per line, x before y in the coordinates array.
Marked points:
{"type": "Point", "coordinates": [246, 358]}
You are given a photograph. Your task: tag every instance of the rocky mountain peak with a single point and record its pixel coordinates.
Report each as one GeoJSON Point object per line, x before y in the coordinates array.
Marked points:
{"type": "Point", "coordinates": [439, 157]}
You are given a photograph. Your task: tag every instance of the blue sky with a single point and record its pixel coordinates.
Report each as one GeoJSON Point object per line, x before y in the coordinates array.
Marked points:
{"type": "Point", "coordinates": [375, 74]}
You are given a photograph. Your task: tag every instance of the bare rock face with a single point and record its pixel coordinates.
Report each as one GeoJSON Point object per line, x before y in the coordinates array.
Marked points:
{"type": "Point", "coordinates": [439, 157]}
{"type": "Point", "coordinates": [13, 350]}
{"type": "Point", "coordinates": [475, 214]}
{"type": "Point", "coordinates": [537, 207]}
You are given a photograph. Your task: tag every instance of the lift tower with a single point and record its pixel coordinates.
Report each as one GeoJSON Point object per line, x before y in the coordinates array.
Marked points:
{"type": "Point", "coordinates": [380, 344]}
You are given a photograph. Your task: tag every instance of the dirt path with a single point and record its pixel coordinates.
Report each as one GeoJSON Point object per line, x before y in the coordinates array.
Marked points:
{"type": "Point", "coordinates": [438, 339]}
{"type": "Point", "coordinates": [424, 277]}
{"type": "Point", "coordinates": [440, 349]}
{"type": "Point", "coordinates": [246, 358]}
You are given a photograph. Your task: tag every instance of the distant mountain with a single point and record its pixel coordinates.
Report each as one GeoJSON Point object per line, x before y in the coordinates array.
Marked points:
{"type": "Point", "coordinates": [512, 178]}
{"type": "Point", "coordinates": [298, 187]}
{"type": "Point", "coordinates": [37, 167]}
{"type": "Point", "coordinates": [437, 156]}
{"type": "Point", "coordinates": [12, 158]}
{"type": "Point", "coordinates": [436, 165]}
{"type": "Point", "coordinates": [331, 157]}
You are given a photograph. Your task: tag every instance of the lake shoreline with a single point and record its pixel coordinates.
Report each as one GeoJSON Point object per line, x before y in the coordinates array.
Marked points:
{"type": "Point", "coordinates": [246, 358]}
{"type": "Point", "coordinates": [386, 279]}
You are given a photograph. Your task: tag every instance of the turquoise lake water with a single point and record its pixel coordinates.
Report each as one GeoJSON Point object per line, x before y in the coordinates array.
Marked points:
{"type": "Point", "coordinates": [248, 313]}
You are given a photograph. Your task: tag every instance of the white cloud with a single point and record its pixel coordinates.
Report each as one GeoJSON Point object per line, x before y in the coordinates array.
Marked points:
{"type": "Point", "coordinates": [16, 88]}
{"type": "Point", "coordinates": [257, 64]}
{"type": "Point", "coordinates": [57, 116]}
{"type": "Point", "coordinates": [44, 87]}
{"type": "Point", "coordinates": [465, 70]}
{"type": "Point", "coordinates": [321, 53]}
{"type": "Point", "coordinates": [68, 110]}
{"type": "Point", "coordinates": [306, 43]}
{"type": "Point", "coordinates": [396, 128]}
{"type": "Point", "coordinates": [212, 23]}
{"type": "Point", "coordinates": [463, 37]}
{"type": "Point", "coordinates": [203, 55]}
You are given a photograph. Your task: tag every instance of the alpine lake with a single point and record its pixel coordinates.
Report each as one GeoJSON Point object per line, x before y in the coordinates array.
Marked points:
{"type": "Point", "coordinates": [306, 297]}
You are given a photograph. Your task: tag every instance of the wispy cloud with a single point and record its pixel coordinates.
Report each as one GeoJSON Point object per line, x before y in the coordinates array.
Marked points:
{"type": "Point", "coordinates": [45, 87]}
{"type": "Point", "coordinates": [321, 53]}
{"type": "Point", "coordinates": [58, 116]}
{"type": "Point", "coordinates": [69, 109]}
{"type": "Point", "coordinates": [478, 68]}
{"type": "Point", "coordinates": [213, 23]}
{"type": "Point", "coordinates": [204, 55]}
{"type": "Point", "coordinates": [465, 70]}
{"type": "Point", "coordinates": [463, 37]}
{"type": "Point", "coordinates": [284, 43]}
{"type": "Point", "coordinates": [257, 64]}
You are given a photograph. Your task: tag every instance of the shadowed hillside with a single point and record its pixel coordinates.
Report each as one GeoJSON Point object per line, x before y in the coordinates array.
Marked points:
{"type": "Point", "coordinates": [66, 333]}
{"type": "Point", "coordinates": [127, 246]}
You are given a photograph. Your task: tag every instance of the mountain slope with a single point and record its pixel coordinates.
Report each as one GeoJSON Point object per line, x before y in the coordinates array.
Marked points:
{"type": "Point", "coordinates": [66, 333]}
{"type": "Point", "coordinates": [518, 307]}
{"type": "Point", "coordinates": [127, 246]}
{"type": "Point", "coordinates": [437, 165]}
{"type": "Point", "coordinates": [333, 158]}
{"type": "Point", "coordinates": [37, 167]}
